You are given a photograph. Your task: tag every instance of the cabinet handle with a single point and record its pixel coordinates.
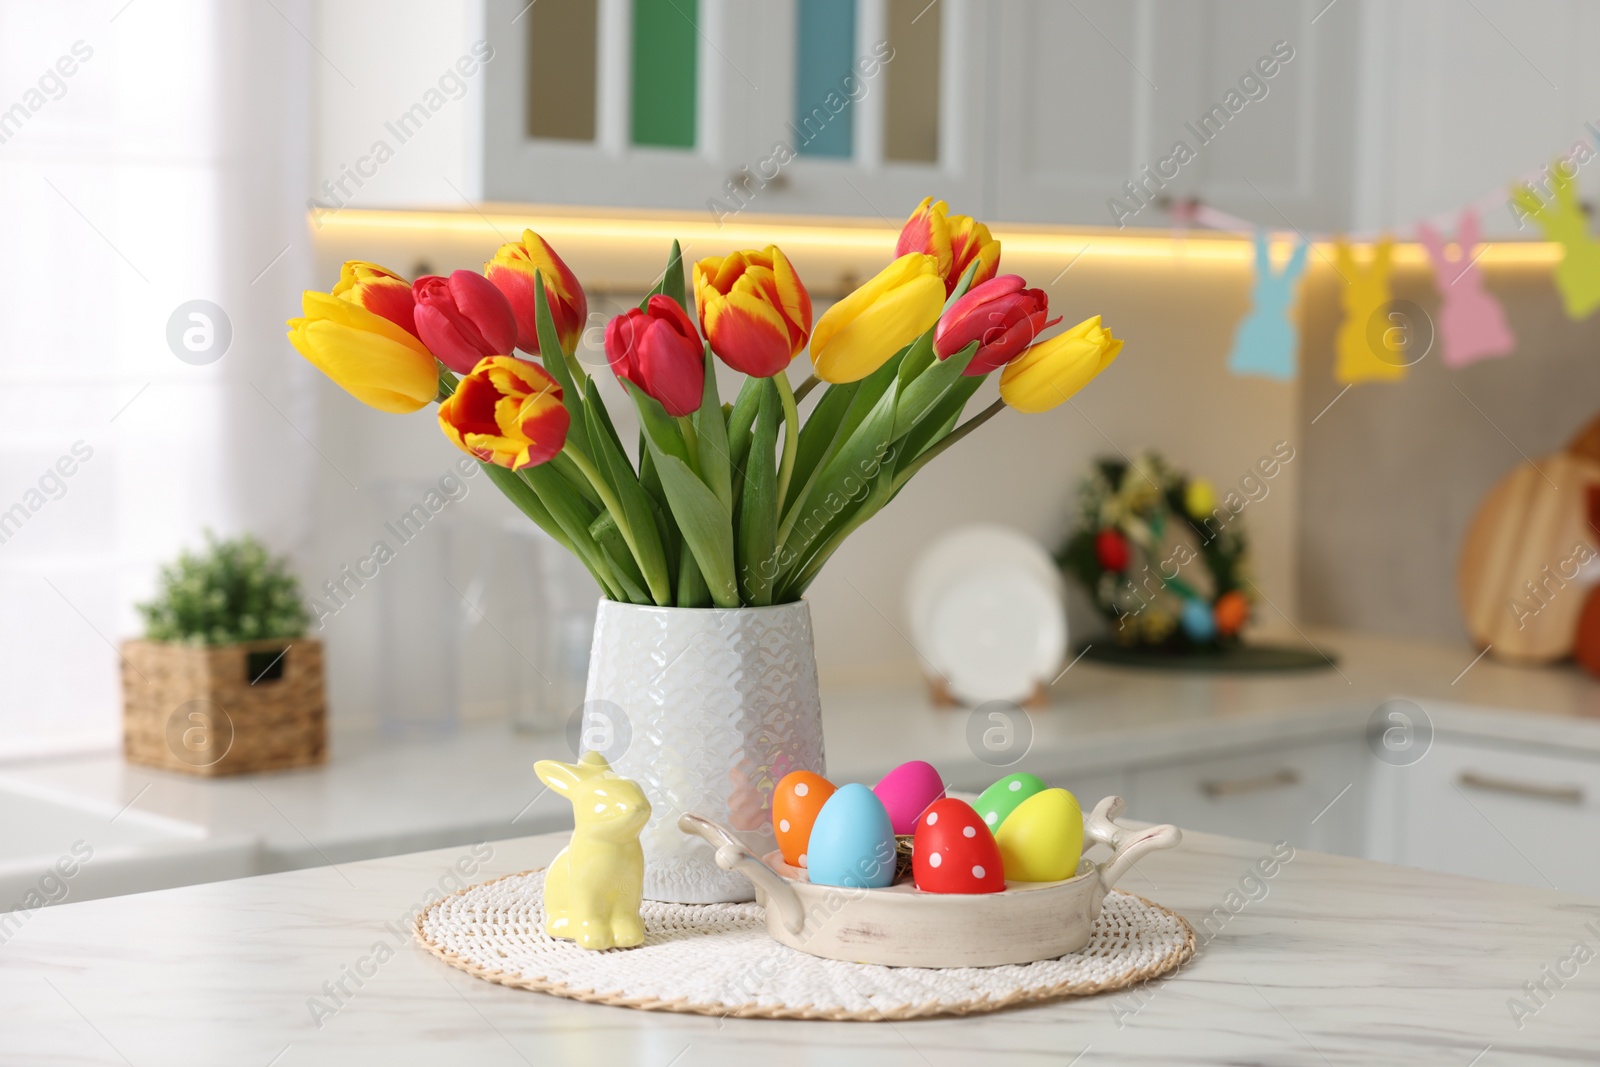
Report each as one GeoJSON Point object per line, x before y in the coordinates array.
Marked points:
{"type": "Point", "coordinates": [1234, 786]}
{"type": "Point", "coordinates": [1564, 794]}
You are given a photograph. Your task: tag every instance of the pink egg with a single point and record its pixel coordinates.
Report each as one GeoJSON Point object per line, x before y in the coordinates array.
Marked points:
{"type": "Point", "coordinates": [907, 791]}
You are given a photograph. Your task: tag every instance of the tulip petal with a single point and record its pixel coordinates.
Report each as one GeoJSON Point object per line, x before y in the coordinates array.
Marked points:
{"type": "Point", "coordinates": [852, 347]}
{"type": "Point", "coordinates": [373, 368]}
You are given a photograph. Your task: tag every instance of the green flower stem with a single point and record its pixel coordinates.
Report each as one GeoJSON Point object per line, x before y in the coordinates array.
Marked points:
{"type": "Point", "coordinates": [811, 382]}
{"type": "Point", "coordinates": [949, 439]}
{"type": "Point", "coordinates": [560, 506]}
{"type": "Point", "coordinates": [692, 440]}
{"type": "Point", "coordinates": [791, 433]}
{"type": "Point", "coordinates": [660, 591]}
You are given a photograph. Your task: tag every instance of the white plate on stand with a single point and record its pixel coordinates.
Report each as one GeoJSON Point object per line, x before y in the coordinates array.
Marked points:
{"type": "Point", "coordinates": [986, 613]}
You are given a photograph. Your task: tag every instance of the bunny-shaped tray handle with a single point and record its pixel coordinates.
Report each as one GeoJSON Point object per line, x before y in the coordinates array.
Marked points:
{"type": "Point", "coordinates": [1127, 844]}
{"type": "Point", "coordinates": [731, 855]}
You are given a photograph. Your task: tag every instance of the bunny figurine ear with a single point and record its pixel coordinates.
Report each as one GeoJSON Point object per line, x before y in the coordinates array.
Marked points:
{"type": "Point", "coordinates": [558, 776]}
{"type": "Point", "coordinates": [595, 760]}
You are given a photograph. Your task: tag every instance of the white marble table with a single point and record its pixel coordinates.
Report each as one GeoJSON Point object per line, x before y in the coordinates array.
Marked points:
{"type": "Point", "coordinates": [1331, 961]}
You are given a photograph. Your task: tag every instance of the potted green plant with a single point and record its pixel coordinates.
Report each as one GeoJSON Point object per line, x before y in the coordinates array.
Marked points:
{"type": "Point", "coordinates": [225, 680]}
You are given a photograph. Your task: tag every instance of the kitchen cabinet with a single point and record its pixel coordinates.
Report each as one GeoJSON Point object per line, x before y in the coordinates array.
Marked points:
{"type": "Point", "coordinates": [1531, 817]}
{"type": "Point", "coordinates": [1310, 795]}
{"type": "Point", "coordinates": [851, 107]}
{"type": "Point", "coordinates": [1104, 106]}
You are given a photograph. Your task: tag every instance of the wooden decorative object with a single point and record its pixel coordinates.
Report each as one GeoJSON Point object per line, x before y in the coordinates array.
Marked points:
{"type": "Point", "coordinates": [235, 709]}
{"type": "Point", "coordinates": [1518, 560]}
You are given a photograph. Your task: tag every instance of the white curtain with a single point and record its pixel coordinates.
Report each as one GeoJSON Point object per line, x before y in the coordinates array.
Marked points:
{"type": "Point", "coordinates": [152, 153]}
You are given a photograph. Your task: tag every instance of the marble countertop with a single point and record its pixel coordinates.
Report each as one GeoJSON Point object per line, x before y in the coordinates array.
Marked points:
{"type": "Point", "coordinates": [381, 796]}
{"type": "Point", "coordinates": [1330, 961]}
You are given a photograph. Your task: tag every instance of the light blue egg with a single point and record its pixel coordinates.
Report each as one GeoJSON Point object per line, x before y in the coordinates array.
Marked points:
{"type": "Point", "coordinates": [1198, 621]}
{"type": "Point", "coordinates": [852, 841]}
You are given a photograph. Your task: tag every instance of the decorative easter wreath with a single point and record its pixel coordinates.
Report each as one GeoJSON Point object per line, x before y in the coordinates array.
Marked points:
{"type": "Point", "coordinates": [1161, 561]}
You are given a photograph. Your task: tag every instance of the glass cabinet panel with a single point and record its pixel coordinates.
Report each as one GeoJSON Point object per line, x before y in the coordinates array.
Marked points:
{"type": "Point", "coordinates": [665, 52]}
{"type": "Point", "coordinates": [825, 47]}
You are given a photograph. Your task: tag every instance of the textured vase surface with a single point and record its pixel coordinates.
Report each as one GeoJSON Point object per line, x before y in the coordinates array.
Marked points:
{"type": "Point", "coordinates": [706, 708]}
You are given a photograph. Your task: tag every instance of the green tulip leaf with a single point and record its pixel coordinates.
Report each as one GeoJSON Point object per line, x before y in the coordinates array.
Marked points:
{"type": "Point", "coordinates": [671, 281]}
{"type": "Point", "coordinates": [715, 463]}
{"type": "Point", "coordinates": [817, 435]}
{"type": "Point", "coordinates": [554, 361]}
{"type": "Point", "coordinates": [758, 507]}
{"type": "Point", "coordinates": [636, 525]}
{"type": "Point", "coordinates": [608, 536]}
{"type": "Point", "coordinates": [704, 521]}
{"type": "Point", "coordinates": [925, 391]}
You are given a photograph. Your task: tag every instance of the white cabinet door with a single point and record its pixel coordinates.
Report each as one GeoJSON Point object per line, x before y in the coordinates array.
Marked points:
{"type": "Point", "coordinates": [1098, 94]}
{"type": "Point", "coordinates": [607, 168]}
{"type": "Point", "coordinates": [1309, 795]}
{"type": "Point", "coordinates": [1507, 815]}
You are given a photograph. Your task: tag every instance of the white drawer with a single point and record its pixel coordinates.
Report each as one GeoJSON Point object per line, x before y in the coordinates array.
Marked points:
{"type": "Point", "coordinates": [1510, 816]}
{"type": "Point", "coordinates": [1270, 795]}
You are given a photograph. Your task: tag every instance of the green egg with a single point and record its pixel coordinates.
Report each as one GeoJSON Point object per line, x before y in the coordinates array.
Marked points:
{"type": "Point", "coordinates": [1001, 799]}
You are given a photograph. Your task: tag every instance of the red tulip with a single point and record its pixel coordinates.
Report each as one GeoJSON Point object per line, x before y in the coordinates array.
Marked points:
{"type": "Point", "coordinates": [463, 318]}
{"type": "Point", "coordinates": [658, 350]}
{"type": "Point", "coordinates": [1002, 315]}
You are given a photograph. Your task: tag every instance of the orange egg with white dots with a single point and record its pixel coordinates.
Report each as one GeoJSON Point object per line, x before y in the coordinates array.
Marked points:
{"type": "Point", "coordinates": [795, 803]}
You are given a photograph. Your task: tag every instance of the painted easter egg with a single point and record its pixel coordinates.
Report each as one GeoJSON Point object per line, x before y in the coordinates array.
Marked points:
{"type": "Point", "coordinates": [795, 804]}
{"type": "Point", "coordinates": [1042, 840]}
{"type": "Point", "coordinates": [1231, 611]}
{"type": "Point", "coordinates": [1197, 621]}
{"type": "Point", "coordinates": [1002, 798]}
{"type": "Point", "coordinates": [852, 841]}
{"type": "Point", "coordinates": [907, 791]}
{"type": "Point", "coordinates": [953, 852]}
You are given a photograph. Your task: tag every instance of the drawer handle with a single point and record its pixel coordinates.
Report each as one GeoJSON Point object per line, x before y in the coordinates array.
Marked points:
{"type": "Point", "coordinates": [1232, 787]}
{"type": "Point", "coordinates": [1565, 794]}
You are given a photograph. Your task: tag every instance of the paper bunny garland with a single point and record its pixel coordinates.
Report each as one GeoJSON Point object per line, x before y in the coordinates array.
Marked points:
{"type": "Point", "coordinates": [1472, 324]}
{"type": "Point", "coordinates": [1365, 293]}
{"type": "Point", "coordinates": [1562, 219]}
{"type": "Point", "coordinates": [1265, 342]}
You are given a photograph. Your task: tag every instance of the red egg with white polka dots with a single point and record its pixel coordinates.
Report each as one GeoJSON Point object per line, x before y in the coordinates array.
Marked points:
{"type": "Point", "coordinates": [954, 852]}
{"type": "Point", "coordinates": [795, 804]}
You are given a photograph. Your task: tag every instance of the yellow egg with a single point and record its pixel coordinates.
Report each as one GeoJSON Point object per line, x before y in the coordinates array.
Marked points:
{"type": "Point", "coordinates": [1042, 839]}
{"type": "Point", "coordinates": [1199, 499]}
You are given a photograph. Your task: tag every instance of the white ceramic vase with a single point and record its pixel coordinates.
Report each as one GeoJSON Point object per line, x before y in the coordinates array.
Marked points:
{"type": "Point", "coordinates": [706, 708]}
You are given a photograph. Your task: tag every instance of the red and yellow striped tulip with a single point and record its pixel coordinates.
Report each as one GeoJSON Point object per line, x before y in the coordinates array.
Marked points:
{"type": "Point", "coordinates": [753, 309]}
{"type": "Point", "coordinates": [379, 290]}
{"type": "Point", "coordinates": [463, 318]}
{"type": "Point", "coordinates": [857, 335]}
{"type": "Point", "coordinates": [512, 269]}
{"type": "Point", "coordinates": [368, 355]}
{"type": "Point", "coordinates": [1051, 371]}
{"type": "Point", "coordinates": [658, 350]}
{"type": "Point", "coordinates": [1003, 315]}
{"type": "Point", "coordinates": [507, 412]}
{"type": "Point", "coordinates": [956, 240]}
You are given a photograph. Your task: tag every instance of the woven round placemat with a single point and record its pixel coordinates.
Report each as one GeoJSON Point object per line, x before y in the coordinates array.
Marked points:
{"type": "Point", "coordinates": [717, 959]}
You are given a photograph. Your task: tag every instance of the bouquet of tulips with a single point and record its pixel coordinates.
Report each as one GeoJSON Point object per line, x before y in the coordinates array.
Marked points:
{"type": "Point", "coordinates": [729, 505]}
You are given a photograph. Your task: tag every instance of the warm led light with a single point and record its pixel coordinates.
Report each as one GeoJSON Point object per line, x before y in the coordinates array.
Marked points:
{"type": "Point", "coordinates": [560, 224]}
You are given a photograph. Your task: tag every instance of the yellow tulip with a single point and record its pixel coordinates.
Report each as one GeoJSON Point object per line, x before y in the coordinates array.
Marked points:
{"type": "Point", "coordinates": [372, 358]}
{"type": "Point", "coordinates": [857, 335]}
{"type": "Point", "coordinates": [1051, 371]}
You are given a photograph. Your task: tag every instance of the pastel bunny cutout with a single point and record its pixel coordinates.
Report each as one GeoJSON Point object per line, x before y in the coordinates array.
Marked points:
{"type": "Point", "coordinates": [1472, 324]}
{"type": "Point", "coordinates": [1365, 294]}
{"type": "Point", "coordinates": [1561, 219]}
{"type": "Point", "coordinates": [1265, 342]}
{"type": "Point", "coordinates": [594, 887]}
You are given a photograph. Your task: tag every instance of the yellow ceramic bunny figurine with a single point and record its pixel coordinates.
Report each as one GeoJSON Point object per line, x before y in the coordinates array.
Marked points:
{"type": "Point", "coordinates": [593, 889]}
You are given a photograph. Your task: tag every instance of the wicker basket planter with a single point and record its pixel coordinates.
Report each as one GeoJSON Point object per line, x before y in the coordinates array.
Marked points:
{"type": "Point", "coordinates": [234, 709]}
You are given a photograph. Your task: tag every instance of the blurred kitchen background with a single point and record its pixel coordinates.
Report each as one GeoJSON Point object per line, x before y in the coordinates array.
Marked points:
{"type": "Point", "coordinates": [237, 153]}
